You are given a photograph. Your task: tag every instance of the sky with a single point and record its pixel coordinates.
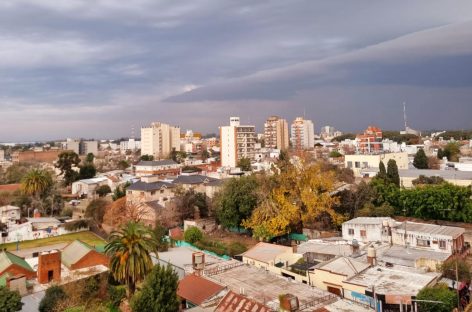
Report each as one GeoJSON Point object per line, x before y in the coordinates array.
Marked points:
{"type": "Point", "coordinates": [98, 69]}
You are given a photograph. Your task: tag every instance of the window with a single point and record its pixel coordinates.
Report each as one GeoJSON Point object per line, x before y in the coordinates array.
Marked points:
{"type": "Point", "coordinates": [162, 191]}
{"type": "Point", "coordinates": [442, 244]}
{"type": "Point", "coordinates": [349, 164]}
{"type": "Point", "coordinates": [363, 233]}
{"type": "Point", "coordinates": [423, 242]}
{"type": "Point", "coordinates": [358, 164]}
{"type": "Point", "coordinates": [153, 192]}
{"type": "Point", "coordinates": [350, 231]}
{"type": "Point", "coordinates": [365, 164]}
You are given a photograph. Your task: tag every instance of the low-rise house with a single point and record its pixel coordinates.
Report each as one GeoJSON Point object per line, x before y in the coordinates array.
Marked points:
{"type": "Point", "coordinates": [330, 275]}
{"type": "Point", "coordinates": [360, 162]}
{"type": "Point", "coordinates": [265, 255]}
{"type": "Point", "coordinates": [79, 255]}
{"type": "Point", "coordinates": [10, 214]}
{"type": "Point", "coordinates": [195, 291]}
{"type": "Point", "coordinates": [88, 187]}
{"type": "Point", "coordinates": [440, 238]}
{"type": "Point", "coordinates": [160, 168]}
{"type": "Point", "coordinates": [199, 183]}
{"type": "Point", "coordinates": [367, 229]}
{"type": "Point", "coordinates": [149, 189]}
{"type": "Point", "coordinates": [13, 265]}
{"type": "Point", "coordinates": [412, 257]}
{"type": "Point", "coordinates": [317, 250]}
{"type": "Point", "coordinates": [44, 223]}
{"type": "Point", "coordinates": [387, 288]}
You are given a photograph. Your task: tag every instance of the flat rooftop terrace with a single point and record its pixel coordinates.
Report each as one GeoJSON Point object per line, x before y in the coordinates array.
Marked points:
{"type": "Point", "coordinates": [393, 281]}
{"type": "Point", "coordinates": [265, 287]}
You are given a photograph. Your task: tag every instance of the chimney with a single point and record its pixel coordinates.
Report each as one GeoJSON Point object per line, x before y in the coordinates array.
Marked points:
{"type": "Point", "coordinates": [294, 248]}
{"type": "Point", "coordinates": [355, 247]}
{"type": "Point", "coordinates": [198, 262]}
{"type": "Point", "coordinates": [49, 267]}
{"type": "Point", "coordinates": [288, 303]}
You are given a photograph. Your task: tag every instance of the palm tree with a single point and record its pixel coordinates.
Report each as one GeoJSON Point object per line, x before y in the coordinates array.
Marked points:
{"type": "Point", "coordinates": [36, 182]}
{"type": "Point", "coordinates": [129, 250]}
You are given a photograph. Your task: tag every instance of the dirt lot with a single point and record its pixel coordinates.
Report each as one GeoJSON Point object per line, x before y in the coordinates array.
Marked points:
{"type": "Point", "coordinates": [228, 238]}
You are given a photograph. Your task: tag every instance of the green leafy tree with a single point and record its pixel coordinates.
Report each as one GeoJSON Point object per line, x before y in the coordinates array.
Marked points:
{"type": "Point", "coordinates": [89, 158]}
{"type": "Point", "coordinates": [120, 191]}
{"type": "Point", "coordinates": [335, 154]}
{"type": "Point", "coordinates": [96, 210]}
{"type": "Point", "coordinates": [36, 182]}
{"type": "Point", "coordinates": [160, 234]}
{"type": "Point", "coordinates": [421, 180]}
{"type": "Point", "coordinates": [205, 155]}
{"type": "Point", "coordinates": [193, 235]}
{"type": "Point", "coordinates": [452, 151]}
{"type": "Point", "coordinates": [159, 292]}
{"type": "Point", "coordinates": [52, 297]}
{"type": "Point", "coordinates": [10, 301]}
{"type": "Point", "coordinates": [103, 190]}
{"type": "Point", "coordinates": [123, 164]}
{"type": "Point", "coordinates": [146, 157]}
{"type": "Point", "coordinates": [236, 201]}
{"type": "Point", "coordinates": [421, 160]}
{"type": "Point", "coordinates": [188, 201]}
{"type": "Point", "coordinates": [439, 292]}
{"type": "Point", "coordinates": [177, 156]}
{"type": "Point", "coordinates": [66, 161]}
{"type": "Point", "coordinates": [130, 251]}
{"type": "Point", "coordinates": [392, 172]}
{"type": "Point", "coordinates": [87, 171]}
{"type": "Point", "coordinates": [382, 171]}
{"type": "Point", "coordinates": [440, 154]}
{"type": "Point", "coordinates": [448, 269]}
{"type": "Point", "coordinates": [14, 174]}
{"type": "Point", "coordinates": [245, 164]}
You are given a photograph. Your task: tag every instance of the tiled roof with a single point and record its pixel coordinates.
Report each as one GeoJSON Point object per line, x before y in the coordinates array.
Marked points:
{"type": "Point", "coordinates": [147, 187]}
{"type": "Point", "coordinates": [157, 163]}
{"type": "Point", "coordinates": [233, 302]}
{"type": "Point", "coordinates": [193, 179]}
{"type": "Point", "coordinates": [74, 252]}
{"type": "Point", "coordinates": [197, 289]}
{"type": "Point", "coordinates": [7, 259]}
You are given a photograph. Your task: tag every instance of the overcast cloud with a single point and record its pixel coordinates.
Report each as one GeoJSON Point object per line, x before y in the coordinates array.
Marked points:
{"type": "Point", "coordinates": [80, 68]}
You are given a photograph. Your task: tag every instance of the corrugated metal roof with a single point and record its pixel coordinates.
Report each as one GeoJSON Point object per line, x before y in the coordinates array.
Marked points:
{"type": "Point", "coordinates": [265, 252]}
{"type": "Point", "coordinates": [7, 259]}
{"type": "Point", "coordinates": [432, 229]}
{"type": "Point", "coordinates": [197, 289]}
{"type": "Point", "coordinates": [369, 220]}
{"type": "Point", "coordinates": [157, 163]}
{"type": "Point", "coordinates": [233, 302]}
{"type": "Point", "coordinates": [345, 265]}
{"type": "Point", "coordinates": [74, 252]}
{"type": "Point", "coordinates": [193, 179]}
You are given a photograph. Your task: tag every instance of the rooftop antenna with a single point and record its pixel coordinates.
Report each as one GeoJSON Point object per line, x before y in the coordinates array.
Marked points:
{"type": "Point", "coordinates": [132, 132]}
{"type": "Point", "coordinates": [304, 112]}
{"type": "Point", "coordinates": [404, 115]}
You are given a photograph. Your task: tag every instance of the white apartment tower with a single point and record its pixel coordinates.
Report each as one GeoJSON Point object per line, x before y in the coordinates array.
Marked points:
{"type": "Point", "coordinates": [276, 133]}
{"type": "Point", "coordinates": [302, 134]}
{"type": "Point", "coordinates": [236, 142]}
{"type": "Point", "coordinates": [159, 139]}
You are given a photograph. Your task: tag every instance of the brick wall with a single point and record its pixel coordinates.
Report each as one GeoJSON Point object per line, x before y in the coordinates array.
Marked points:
{"type": "Point", "coordinates": [91, 259]}
{"type": "Point", "coordinates": [18, 270]}
{"type": "Point", "coordinates": [49, 262]}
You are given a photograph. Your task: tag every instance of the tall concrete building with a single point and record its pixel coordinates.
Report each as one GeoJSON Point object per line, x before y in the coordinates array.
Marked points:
{"type": "Point", "coordinates": [302, 134]}
{"type": "Point", "coordinates": [276, 133]}
{"type": "Point", "coordinates": [236, 141]}
{"type": "Point", "coordinates": [159, 139]}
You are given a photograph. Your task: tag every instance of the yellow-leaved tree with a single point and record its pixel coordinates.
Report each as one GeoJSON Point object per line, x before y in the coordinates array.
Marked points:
{"type": "Point", "coordinates": [299, 197]}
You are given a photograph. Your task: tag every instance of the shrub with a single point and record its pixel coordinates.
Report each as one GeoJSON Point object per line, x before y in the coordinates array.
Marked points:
{"type": "Point", "coordinates": [76, 225]}
{"type": "Point", "coordinates": [103, 190]}
{"type": "Point", "coordinates": [116, 294]}
{"type": "Point", "coordinates": [236, 248]}
{"type": "Point", "coordinates": [53, 295]}
{"type": "Point", "coordinates": [10, 301]}
{"type": "Point", "coordinates": [193, 234]}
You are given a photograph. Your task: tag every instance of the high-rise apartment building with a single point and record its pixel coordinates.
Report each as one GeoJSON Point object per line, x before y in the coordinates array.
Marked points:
{"type": "Point", "coordinates": [236, 142]}
{"type": "Point", "coordinates": [302, 134]}
{"type": "Point", "coordinates": [159, 140]}
{"type": "Point", "coordinates": [370, 142]}
{"type": "Point", "coordinates": [276, 133]}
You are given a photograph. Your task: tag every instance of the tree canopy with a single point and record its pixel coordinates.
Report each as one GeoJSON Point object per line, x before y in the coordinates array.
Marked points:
{"type": "Point", "coordinates": [66, 161]}
{"type": "Point", "coordinates": [244, 164]}
{"type": "Point", "coordinates": [421, 160]}
{"type": "Point", "coordinates": [10, 301]}
{"type": "Point", "coordinates": [159, 292]}
{"type": "Point", "coordinates": [392, 172]}
{"type": "Point", "coordinates": [439, 292]}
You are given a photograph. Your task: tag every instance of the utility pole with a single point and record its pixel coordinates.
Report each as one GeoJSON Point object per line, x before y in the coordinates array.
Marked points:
{"type": "Point", "coordinates": [457, 287]}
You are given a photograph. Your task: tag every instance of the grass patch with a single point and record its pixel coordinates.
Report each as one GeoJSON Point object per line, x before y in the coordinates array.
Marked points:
{"type": "Point", "coordinates": [219, 247]}
{"type": "Point", "coordinates": [86, 236]}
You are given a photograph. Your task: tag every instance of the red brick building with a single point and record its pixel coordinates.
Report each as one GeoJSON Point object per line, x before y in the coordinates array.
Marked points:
{"type": "Point", "coordinates": [14, 265]}
{"type": "Point", "coordinates": [79, 255]}
{"type": "Point", "coordinates": [49, 267]}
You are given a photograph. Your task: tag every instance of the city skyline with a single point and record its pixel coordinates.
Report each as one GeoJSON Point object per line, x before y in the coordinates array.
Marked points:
{"type": "Point", "coordinates": [76, 70]}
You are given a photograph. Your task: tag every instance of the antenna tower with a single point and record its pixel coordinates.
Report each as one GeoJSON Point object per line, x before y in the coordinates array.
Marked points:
{"type": "Point", "coordinates": [404, 115]}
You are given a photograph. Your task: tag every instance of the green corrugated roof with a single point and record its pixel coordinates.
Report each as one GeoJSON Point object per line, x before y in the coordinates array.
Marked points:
{"type": "Point", "coordinates": [3, 279]}
{"type": "Point", "coordinates": [298, 237]}
{"type": "Point", "coordinates": [74, 252]}
{"type": "Point", "coordinates": [7, 259]}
